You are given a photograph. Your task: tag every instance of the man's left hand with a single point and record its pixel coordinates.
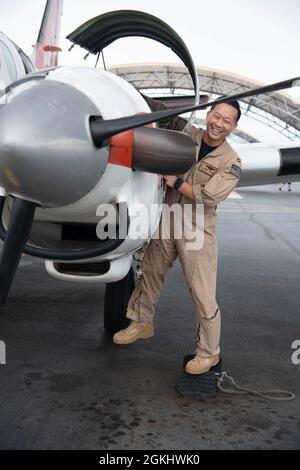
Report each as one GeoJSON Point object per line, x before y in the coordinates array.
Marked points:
{"type": "Point", "coordinates": [170, 180]}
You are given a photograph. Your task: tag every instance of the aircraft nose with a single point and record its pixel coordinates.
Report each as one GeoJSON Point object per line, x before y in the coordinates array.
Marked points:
{"type": "Point", "coordinates": [46, 152]}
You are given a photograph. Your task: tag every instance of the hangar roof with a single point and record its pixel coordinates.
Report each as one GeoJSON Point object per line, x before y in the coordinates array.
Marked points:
{"type": "Point", "coordinates": [276, 110]}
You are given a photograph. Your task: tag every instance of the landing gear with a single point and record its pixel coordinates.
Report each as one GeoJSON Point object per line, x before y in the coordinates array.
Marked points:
{"type": "Point", "coordinates": [117, 295]}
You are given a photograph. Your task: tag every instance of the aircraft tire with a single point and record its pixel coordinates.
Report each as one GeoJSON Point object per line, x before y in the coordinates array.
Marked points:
{"type": "Point", "coordinates": [117, 295]}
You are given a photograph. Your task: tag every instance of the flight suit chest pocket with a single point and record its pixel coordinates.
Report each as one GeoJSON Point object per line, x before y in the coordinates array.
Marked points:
{"type": "Point", "coordinates": [205, 172]}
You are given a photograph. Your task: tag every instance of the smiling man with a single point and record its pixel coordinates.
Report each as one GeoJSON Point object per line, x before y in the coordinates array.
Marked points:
{"type": "Point", "coordinates": [211, 179]}
{"type": "Point", "coordinates": [220, 121]}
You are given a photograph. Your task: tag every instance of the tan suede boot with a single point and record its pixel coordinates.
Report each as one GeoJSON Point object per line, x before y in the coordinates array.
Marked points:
{"type": "Point", "coordinates": [200, 365]}
{"type": "Point", "coordinates": [134, 331]}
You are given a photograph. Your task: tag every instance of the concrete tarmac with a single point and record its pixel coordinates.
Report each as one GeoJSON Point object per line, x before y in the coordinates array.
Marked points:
{"type": "Point", "coordinates": [66, 386]}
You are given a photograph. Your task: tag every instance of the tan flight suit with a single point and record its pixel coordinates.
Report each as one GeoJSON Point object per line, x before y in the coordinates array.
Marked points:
{"type": "Point", "coordinates": [212, 180]}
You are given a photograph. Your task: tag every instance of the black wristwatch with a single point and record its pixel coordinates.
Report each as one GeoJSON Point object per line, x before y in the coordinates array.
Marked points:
{"type": "Point", "coordinates": [178, 183]}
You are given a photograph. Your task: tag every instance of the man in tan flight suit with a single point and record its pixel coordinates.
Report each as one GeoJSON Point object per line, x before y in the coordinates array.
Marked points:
{"type": "Point", "coordinates": [210, 180]}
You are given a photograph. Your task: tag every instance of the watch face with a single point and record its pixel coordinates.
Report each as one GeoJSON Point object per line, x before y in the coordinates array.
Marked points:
{"type": "Point", "coordinates": [178, 183]}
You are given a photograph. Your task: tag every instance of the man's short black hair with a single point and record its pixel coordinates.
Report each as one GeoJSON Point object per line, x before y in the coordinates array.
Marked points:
{"type": "Point", "coordinates": [234, 103]}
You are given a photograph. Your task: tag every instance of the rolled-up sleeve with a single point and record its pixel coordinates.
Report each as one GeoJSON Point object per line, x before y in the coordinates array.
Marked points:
{"type": "Point", "coordinates": [219, 186]}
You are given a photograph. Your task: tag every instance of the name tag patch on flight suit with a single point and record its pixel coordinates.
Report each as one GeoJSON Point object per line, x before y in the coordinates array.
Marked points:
{"type": "Point", "coordinates": [207, 168]}
{"type": "Point", "coordinates": [235, 170]}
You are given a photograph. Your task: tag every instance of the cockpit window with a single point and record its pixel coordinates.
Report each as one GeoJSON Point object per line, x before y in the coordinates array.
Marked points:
{"type": "Point", "coordinates": [8, 60]}
{"type": "Point", "coordinates": [28, 65]}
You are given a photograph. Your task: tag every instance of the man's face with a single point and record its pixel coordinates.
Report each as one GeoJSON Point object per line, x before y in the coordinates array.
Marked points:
{"type": "Point", "coordinates": [220, 122]}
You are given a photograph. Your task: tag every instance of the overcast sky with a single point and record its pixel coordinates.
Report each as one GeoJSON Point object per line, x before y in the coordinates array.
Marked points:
{"type": "Point", "coordinates": [259, 39]}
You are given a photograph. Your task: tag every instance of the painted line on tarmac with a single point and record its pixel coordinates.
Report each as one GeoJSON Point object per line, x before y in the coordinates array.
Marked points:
{"type": "Point", "coordinates": [234, 195]}
{"type": "Point", "coordinates": [278, 210]}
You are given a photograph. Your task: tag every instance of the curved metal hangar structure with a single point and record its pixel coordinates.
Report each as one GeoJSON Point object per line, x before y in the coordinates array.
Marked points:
{"type": "Point", "coordinates": [275, 110]}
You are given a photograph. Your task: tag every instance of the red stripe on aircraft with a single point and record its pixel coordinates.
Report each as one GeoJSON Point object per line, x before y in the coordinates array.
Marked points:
{"type": "Point", "coordinates": [121, 148]}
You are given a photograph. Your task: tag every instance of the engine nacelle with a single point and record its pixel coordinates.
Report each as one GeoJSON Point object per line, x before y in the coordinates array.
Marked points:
{"type": "Point", "coordinates": [46, 152]}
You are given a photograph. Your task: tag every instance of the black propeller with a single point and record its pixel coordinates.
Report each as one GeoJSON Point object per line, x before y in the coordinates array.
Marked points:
{"type": "Point", "coordinates": [17, 234]}
{"type": "Point", "coordinates": [101, 129]}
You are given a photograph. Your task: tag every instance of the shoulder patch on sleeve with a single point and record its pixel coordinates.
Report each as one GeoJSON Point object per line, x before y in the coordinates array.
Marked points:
{"type": "Point", "coordinates": [235, 170]}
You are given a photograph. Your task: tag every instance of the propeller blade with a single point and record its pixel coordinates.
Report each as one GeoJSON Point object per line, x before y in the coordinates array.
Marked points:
{"type": "Point", "coordinates": [17, 234]}
{"type": "Point", "coordinates": [101, 129]}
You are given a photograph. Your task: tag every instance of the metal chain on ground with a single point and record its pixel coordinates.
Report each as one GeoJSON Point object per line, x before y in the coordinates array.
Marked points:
{"type": "Point", "coordinates": [268, 394]}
